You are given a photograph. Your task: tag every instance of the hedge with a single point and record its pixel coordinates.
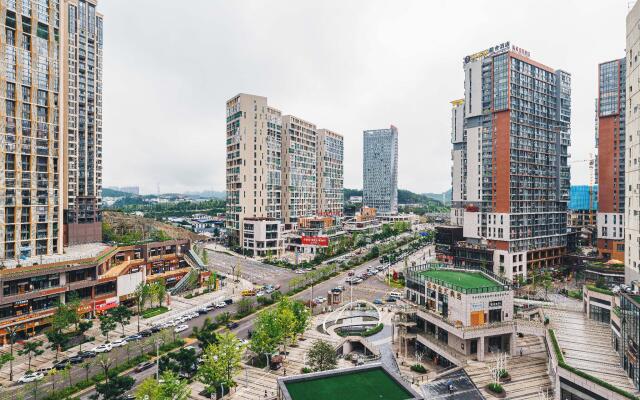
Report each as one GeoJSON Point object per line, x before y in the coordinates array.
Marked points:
{"type": "Point", "coordinates": [152, 312]}
{"type": "Point", "coordinates": [591, 378]}
{"type": "Point", "coordinates": [600, 290]}
{"type": "Point", "coordinates": [373, 331]}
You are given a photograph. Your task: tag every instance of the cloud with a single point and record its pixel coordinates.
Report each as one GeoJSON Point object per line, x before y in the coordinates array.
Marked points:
{"type": "Point", "coordinates": [169, 68]}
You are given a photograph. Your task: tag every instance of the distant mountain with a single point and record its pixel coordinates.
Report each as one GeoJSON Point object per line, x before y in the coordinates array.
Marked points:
{"type": "Point", "coordinates": [404, 197]}
{"type": "Point", "coordinates": [108, 192]}
{"type": "Point", "coordinates": [208, 194]}
{"type": "Point", "coordinates": [438, 196]}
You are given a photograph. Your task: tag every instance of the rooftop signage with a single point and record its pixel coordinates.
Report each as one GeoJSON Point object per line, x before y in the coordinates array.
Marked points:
{"type": "Point", "coordinates": [495, 50]}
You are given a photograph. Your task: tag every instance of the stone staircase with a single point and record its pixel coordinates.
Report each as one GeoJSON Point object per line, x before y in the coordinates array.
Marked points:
{"type": "Point", "coordinates": [528, 372]}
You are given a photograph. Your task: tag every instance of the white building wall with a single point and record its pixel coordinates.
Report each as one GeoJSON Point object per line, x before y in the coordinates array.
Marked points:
{"type": "Point", "coordinates": [474, 165]}
{"type": "Point", "coordinates": [473, 88]}
{"type": "Point", "coordinates": [471, 225]}
{"type": "Point", "coordinates": [610, 226]}
{"type": "Point", "coordinates": [632, 169]}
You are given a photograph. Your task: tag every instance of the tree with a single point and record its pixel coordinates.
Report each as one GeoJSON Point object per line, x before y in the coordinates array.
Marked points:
{"type": "Point", "coordinates": [245, 306]}
{"type": "Point", "coordinates": [73, 305]}
{"type": "Point", "coordinates": [205, 256]}
{"type": "Point", "coordinates": [287, 321]}
{"type": "Point", "coordinates": [5, 358]}
{"type": "Point", "coordinates": [84, 326]}
{"type": "Point", "coordinates": [52, 374]}
{"type": "Point", "coordinates": [322, 356]}
{"type": "Point", "coordinates": [171, 388]}
{"type": "Point", "coordinates": [86, 365]}
{"type": "Point", "coordinates": [302, 316]}
{"type": "Point", "coordinates": [547, 283]}
{"type": "Point", "coordinates": [121, 315]}
{"type": "Point", "coordinates": [221, 362]}
{"type": "Point", "coordinates": [266, 334]}
{"type": "Point", "coordinates": [11, 332]}
{"type": "Point", "coordinates": [57, 340]}
{"type": "Point", "coordinates": [107, 324]}
{"type": "Point", "coordinates": [104, 361]}
{"type": "Point", "coordinates": [223, 318]}
{"type": "Point", "coordinates": [141, 296]}
{"type": "Point", "coordinates": [160, 291]}
{"type": "Point", "coordinates": [114, 389]}
{"type": "Point", "coordinates": [211, 281]}
{"type": "Point", "coordinates": [184, 361]}
{"type": "Point", "coordinates": [31, 349]}
{"type": "Point", "coordinates": [206, 334]}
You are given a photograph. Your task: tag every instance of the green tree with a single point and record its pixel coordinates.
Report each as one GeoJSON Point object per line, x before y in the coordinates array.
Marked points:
{"type": "Point", "coordinates": [302, 316]}
{"type": "Point", "coordinates": [31, 349]}
{"type": "Point", "coordinates": [322, 356]}
{"type": "Point", "coordinates": [205, 256]}
{"type": "Point", "coordinates": [57, 340]}
{"type": "Point", "coordinates": [223, 318]}
{"type": "Point", "coordinates": [183, 361]}
{"type": "Point", "coordinates": [171, 388]}
{"type": "Point", "coordinates": [287, 321]}
{"type": "Point", "coordinates": [121, 315]}
{"type": "Point", "coordinates": [160, 291]}
{"type": "Point", "coordinates": [141, 296]}
{"type": "Point", "coordinates": [211, 281]}
{"type": "Point", "coordinates": [114, 389]}
{"type": "Point", "coordinates": [107, 324]}
{"type": "Point", "coordinates": [206, 334]}
{"type": "Point", "coordinates": [83, 326]}
{"type": "Point", "coordinates": [266, 334]}
{"type": "Point", "coordinates": [5, 358]}
{"type": "Point", "coordinates": [86, 365]}
{"type": "Point", "coordinates": [245, 306]}
{"type": "Point", "coordinates": [222, 361]}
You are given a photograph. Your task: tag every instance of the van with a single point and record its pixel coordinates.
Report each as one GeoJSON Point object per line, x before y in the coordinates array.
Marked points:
{"type": "Point", "coordinates": [248, 292]}
{"type": "Point", "coordinates": [396, 295]}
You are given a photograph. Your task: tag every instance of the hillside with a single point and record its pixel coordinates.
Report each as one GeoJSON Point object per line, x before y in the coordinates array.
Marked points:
{"type": "Point", "coordinates": [404, 197]}
{"type": "Point", "coordinates": [117, 225]}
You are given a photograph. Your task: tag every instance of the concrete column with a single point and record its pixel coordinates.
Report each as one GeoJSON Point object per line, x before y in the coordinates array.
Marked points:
{"type": "Point", "coordinates": [512, 344]}
{"type": "Point", "coordinates": [481, 348]}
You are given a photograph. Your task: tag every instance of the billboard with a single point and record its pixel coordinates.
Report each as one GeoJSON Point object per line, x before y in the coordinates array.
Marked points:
{"type": "Point", "coordinates": [321, 241]}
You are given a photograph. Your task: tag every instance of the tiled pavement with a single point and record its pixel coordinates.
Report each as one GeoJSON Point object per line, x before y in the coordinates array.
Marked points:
{"type": "Point", "coordinates": [586, 345]}
{"type": "Point", "coordinates": [528, 372]}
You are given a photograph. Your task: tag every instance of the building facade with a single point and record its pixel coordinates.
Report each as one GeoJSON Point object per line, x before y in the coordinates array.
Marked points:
{"type": "Point", "coordinates": [510, 159]}
{"type": "Point", "coordinates": [610, 141]}
{"type": "Point", "coordinates": [81, 120]}
{"type": "Point", "coordinates": [279, 168]}
{"type": "Point", "coordinates": [583, 205]}
{"type": "Point", "coordinates": [632, 145]}
{"type": "Point", "coordinates": [380, 170]}
{"type": "Point", "coordinates": [331, 173]}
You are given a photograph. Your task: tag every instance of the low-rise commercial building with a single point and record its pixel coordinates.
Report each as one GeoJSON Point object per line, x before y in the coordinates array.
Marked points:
{"type": "Point", "coordinates": [263, 237]}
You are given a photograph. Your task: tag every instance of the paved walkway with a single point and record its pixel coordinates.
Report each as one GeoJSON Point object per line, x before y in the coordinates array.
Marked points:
{"type": "Point", "coordinates": [586, 345]}
{"type": "Point", "coordinates": [528, 372]}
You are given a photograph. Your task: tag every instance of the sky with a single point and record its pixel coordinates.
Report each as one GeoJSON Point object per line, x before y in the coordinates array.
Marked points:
{"type": "Point", "coordinates": [170, 66]}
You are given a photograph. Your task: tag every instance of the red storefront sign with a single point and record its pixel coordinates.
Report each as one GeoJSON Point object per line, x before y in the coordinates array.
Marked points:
{"type": "Point", "coordinates": [104, 305]}
{"type": "Point", "coordinates": [322, 241]}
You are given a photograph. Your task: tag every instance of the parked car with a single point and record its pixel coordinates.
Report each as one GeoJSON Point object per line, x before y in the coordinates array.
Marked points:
{"type": "Point", "coordinates": [181, 328]}
{"type": "Point", "coordinates": [391, 299]}
{"type": "Point", "coordinates": [260, 293]}
{"type": "Point", "coordinates": [228, 301]}
{"type": "Point", "coordinates": [62, 364]}
{"type": "Point", "coordinates": [232, 325]}
{"type": "Point", "coordinates": [119, 343]}
{"type": "Point", "coordinates": [145, 333]}
{"type": "Point", "coordinates": [397, 295]}
{"type": "Point", "coordinates": [377, 301]}
{"type": "Point", "coordinates": [221, 304]}
{"type": "Point", "coordinates": [133, 338]}
{"type": "Point", "coordinates": [103, 348]}
{"type": "Point", "coordinates": [143, 366]}
{"type": "Point", "coordinates": [30, 377]}
{"type": "Point", "coordinates": [155, 328]}
{"type": "Point", "coordinates": [87, 354]}
{"type": "Point", "coordinates": [76, 360]}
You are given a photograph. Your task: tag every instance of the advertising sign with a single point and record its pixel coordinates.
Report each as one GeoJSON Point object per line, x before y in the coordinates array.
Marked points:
{"type": "Point", "coordinates": [321, 241]}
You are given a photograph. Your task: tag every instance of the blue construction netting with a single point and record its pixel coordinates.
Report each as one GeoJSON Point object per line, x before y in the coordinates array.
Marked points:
{"type": "Point", "coordinates": [579, 198]}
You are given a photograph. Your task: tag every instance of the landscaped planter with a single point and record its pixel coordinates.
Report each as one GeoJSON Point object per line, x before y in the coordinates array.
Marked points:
{"type": "Point", "coordinates": [496, 391]}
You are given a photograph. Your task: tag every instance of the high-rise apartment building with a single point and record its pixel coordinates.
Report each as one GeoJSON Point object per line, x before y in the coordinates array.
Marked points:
{"type": "Point", "coordinates": [330, 181]}
{"type": "Point", "coordinates": [273, 173]}
{"type": "Point", "coordinates": [380, 170]}
{"type": "Point", "coordinates": [50, 127]}
{"type": "Point", "coordinates": [81, 91]}
{"type": "Point", "coordinates": [299, 169]}
{"type": "Point", "coordinates": [610, 141]}
{"type": "Point", "coordinates": [510, 171]}
{"type": "Point", "coordinates": [632, 145]}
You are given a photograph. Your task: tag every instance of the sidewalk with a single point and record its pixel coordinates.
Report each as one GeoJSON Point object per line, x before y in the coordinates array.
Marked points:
{"type": "Point", "coordinates": [179, 305]}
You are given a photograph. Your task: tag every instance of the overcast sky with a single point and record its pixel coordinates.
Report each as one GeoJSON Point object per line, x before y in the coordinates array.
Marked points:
{"type": "Point", "coordinates": [170, 66]}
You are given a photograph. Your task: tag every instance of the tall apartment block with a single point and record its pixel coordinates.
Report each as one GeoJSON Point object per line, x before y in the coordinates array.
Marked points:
{"type": "Point", "coordinates": [272, 168]}
{"type": "Point", "coordinates": [632, 145]}
{"type": "Point", "coordinates": [81, 56]}
{"type": "Point", "coordinates": [610, 141]}
{"type": "Point", "coordinates": [299, 169]}
{"type": "Point", "coordinates": [510, 174]}
{"type": "Point", "coordinates": [331, 181]}
{"type": "Point", "coordinates": [380, 170]}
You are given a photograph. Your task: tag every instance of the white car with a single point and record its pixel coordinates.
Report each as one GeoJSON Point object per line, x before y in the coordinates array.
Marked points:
{"type": "Point", "coordinates": [195, 315]}
{"type": "Point", "coordinates": [119, 343]}
{"type": "Point", "coordinates": [31, 377]}
{"type": "Point", "coordinates": [260, 294]}
{"type": "Point", "coordinates": [396, 295]}
{"type": "Point", "coordinates": [221, 304]}
{"type": "Point", "coordinates": [181, 328]}
{"type": "Point", "coordinates": [103, 348]}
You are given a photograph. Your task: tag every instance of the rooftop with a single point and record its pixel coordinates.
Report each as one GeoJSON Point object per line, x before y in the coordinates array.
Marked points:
{"type": "Point", "coordinates": [71, 253]}
{"type": "Point", "coordinates": [466, 281]}
{"type": "Point", "coordinates": [360, 383]}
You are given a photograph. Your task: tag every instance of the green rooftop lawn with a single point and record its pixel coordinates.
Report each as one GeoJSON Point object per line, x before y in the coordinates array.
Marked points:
{"type": "Point", "coordinates": [463, 279]}
{"type": "Point", "coordinates": [361, 385]}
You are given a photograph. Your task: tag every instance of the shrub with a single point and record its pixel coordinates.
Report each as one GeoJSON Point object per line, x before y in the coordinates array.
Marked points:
{"type": "Point", "coordinates": [419, 368]}
{"type": "Point", "coordinates": [305, 370]}
{"type": "Point", "coordinates": [152, 312]}
{"type": "Point", "coordinates": [503, 374]}
{"type": "Point", "coordinates": [373, 331]}
{"type": "Point", "coordinates": [495, 387]}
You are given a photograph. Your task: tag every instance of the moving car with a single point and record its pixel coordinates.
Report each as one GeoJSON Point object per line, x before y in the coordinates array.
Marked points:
{"type": "Point", "coordinates": [146, 333]}
{"type": "Point", "coordinates": [143, 366]}
{"type": "Point", "coordinates": [228, 301]}
{"type": "Point", "coordinates": [232, 325]}
{"type": "Point", "coordinates": [221, 304]}
{"type": "Point", "coordinates": [103, 348]}
{"type": "Point", "coordinates": [31, 377]}
{"type": "Point", "coordinates": [181, 328]}
{"type": "Point", "coordinates": [397, 295]}
{"type": "Point", "coordinates": [377, 301]}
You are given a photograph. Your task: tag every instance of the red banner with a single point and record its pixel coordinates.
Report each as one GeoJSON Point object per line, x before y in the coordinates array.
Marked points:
{"type": "Point", "coordinates": [322, 241]}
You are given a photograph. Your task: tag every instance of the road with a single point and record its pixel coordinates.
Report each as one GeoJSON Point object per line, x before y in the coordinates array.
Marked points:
{"type": "Point", "coordinates": [252, 270]}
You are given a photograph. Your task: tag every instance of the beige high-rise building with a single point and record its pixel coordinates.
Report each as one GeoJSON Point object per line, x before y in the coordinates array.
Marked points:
{"type": "Point", "coordinates": [632, 144]}
{"type": "Point", "coordinates": [330, 173]}
{"type": "Point", "coordinates": [279, 169]}
{"type": "Point", "coordinates": [299, 169]}
{"type": "Point", "coordinates": [81, 91]}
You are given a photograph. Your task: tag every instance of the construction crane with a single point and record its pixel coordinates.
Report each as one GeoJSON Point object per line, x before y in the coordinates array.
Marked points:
{"type": "Point", "coordinates": [592, 165]}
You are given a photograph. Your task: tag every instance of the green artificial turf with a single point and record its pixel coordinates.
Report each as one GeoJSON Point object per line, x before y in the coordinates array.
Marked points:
{"type": "Point", "coordinates": [360, 385]}
{"type": "Point", "coordinates": [465, 280]}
